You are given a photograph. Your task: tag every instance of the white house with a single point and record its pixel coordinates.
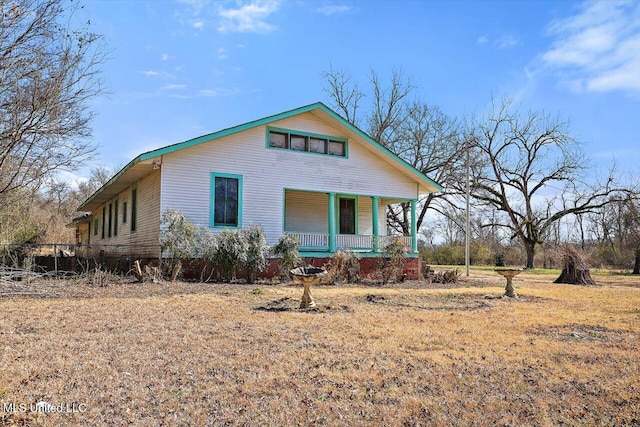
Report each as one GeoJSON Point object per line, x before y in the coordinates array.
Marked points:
{"type": "Point", "coordinates": [307, 172]}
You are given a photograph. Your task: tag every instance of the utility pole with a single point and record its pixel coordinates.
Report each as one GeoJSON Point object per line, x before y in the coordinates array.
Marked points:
{"type": "Point", "coordinates": [467, 237]}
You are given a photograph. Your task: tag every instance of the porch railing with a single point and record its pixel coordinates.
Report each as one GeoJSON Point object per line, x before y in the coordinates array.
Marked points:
{"type": "Point", "coordinates": [317, 241]}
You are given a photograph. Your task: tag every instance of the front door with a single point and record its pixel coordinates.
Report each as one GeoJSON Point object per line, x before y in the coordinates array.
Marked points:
{"type": "Point", "coordinates": [347, 216]}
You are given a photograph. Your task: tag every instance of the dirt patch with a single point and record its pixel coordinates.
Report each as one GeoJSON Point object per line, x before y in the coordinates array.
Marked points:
{"type": "Point", "coordinates": [443, 302]}
{"type": "Point", "coordinates": [290, 304]}
{"type": "Point", "coordinates": [584, 333]}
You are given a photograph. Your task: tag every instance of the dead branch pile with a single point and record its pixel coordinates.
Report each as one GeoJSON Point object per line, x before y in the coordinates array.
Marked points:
{"type": "Point", "coordinates": [575, 269]}
{"type": "Point", "coordinates": [150, 274]}
{"type": "Point", "coordinates": [449, 276]}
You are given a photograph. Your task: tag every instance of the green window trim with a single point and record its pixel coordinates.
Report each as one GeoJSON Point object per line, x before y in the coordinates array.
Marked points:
{"type": "Point", "coordinates": [212, 201]}
{"type": "Point", "coordinates": [314, 143]}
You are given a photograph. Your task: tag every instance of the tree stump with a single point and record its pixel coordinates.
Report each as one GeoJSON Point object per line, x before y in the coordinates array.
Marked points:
{"type": "Point", "coordinates": [575, 270]}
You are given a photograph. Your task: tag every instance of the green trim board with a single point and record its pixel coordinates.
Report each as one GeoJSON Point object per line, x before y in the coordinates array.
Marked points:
{"type": "Point", "coordinates": [263, 121]}
{"type": "Point", "coordinates": [212, 199]}
{"type": "Point", "coordinates": [368, 254]}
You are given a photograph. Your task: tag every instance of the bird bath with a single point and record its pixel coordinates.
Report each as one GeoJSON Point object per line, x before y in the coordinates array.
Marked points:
{"type": "Point", "coordinates": [509, 274]}
{"type": "Point", "coordinates": [308, 276]}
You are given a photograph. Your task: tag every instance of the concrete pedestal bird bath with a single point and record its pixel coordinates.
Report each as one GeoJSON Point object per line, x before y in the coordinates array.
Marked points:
{"type": "Point", "coordinates": [308, 276]}
{"type": "Point", "coordinates": [509, 274]}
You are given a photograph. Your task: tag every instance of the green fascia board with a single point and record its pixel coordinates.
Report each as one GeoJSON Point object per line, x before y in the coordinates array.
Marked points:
{"type": "Point", "coordinates": [263, 121]}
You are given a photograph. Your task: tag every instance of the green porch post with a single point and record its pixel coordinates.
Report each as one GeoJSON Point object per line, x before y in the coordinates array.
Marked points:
{"type": "Point", "coordinates": [414, 227]}
{"type": "Point", "coordinates": [374, 214]}
{"type": "Point", "coordinates": [332, 222]}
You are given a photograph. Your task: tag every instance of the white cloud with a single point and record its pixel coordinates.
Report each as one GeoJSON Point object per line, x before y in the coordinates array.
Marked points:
{"type": "Point", "coordinates": [150, 73]}
{"type": "Point", "coordinates": [164, 57]}
{"type": "Point", "coordinates": [198, 25]}
{"type": "Point", "coordinates": [482, 39]}
{"type": "Point", "coordinates": [329, 10]}
{"type": "Point", "coordinates": [598, 49]}
{"type": "Point", "coordinates": [506, 41]}
{"type": "Point", "coordinates": [248, 18]}
{"type": "Point", "coordinates": [222, 53]}
{"type": "Point", "coordinates": [171, 86]}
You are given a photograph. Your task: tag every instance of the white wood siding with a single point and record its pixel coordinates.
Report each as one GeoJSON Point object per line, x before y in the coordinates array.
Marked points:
{"type": "Point", "coordinates": [186, 174]}
{"type": "Point", "coordinates": [147, 224]}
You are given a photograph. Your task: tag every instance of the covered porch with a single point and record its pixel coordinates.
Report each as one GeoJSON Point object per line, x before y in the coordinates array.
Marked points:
{"type": "Point", "coordinates": [327, 222]}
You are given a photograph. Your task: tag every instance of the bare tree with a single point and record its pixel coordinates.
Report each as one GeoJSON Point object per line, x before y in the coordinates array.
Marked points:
{"type": "Point", "coordinates": [535, 173]}
{"type": "Point", "coordinates": [49, 72]}
{"type": "Point", "coordinates": [420, 134]}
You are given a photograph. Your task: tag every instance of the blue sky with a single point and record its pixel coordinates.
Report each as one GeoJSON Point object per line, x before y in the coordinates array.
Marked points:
{"type": "Point", "coordinates": [181, 69]}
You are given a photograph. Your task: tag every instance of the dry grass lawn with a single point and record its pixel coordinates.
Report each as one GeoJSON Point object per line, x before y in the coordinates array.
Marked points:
{"type": "Point", "coordinates": [194, 354]}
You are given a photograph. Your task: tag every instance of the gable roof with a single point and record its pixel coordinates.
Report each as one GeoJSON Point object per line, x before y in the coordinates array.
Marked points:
{"type": "Point", "coordinates": [142, 165]}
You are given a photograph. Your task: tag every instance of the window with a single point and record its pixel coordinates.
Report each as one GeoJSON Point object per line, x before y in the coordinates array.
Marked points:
{"type": "Point", "coordinates": [278, 140]}
{"type": "Point", "coordinates": [104, 217]}
{"type": "Point", "coordinates": [317, 145]}
{"type": "Point", "coordinates": [347, 215]}
{"type": "Point", "coordinates": [302, 141]}
{"type": "Point", "coordinates": [96, 226]}
{"type": "Point", "coordinates": [134, 209]}
{"type": "Point", "coordinates": [336, 148]}
{"type": "Point", "coordinates": [124, 211]}
{"type": "Point", "coordinates": [298, 143]}
{"type": "Point", "coordinates": [226, 200]}
{"type": "Point", "coordinates": [115, 217]}
{"type": "Point", "coordinates": [110, 219]}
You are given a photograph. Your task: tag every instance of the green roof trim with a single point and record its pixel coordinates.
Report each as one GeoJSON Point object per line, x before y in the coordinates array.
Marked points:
{"type": "Point", "coordinates": [263, 121]}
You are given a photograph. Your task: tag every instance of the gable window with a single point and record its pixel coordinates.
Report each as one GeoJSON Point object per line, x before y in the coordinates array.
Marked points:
{"type": "Point", "coordinates": [336, 148]}
{"type": "Point", "coordinates": [226, 200]}
{"type": "Point", "coordinates": [308, 142]}
{"type": "Point", "coordinates": [317, 145]}
{"type": "Point", "coordinates": [298, 143]}
{"type": "Point", "coordinates": [278, 140]}
{"type": "Point", "coordinates": [124, 211]}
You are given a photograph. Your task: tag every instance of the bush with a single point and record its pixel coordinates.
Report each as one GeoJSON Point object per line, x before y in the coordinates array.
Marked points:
{"type": "Point", "coordinates": [287, 251]}
{"type": "Point", "coordinates": [179, 239]}
{"type": "Point", "coordinates": [230, 253]}
{"type": "Point", "coordinates": [392, 259]}
{"type": "Point", "coordinates": [345, 266]}
{"type": "Point", "coordinates": [257, 252]}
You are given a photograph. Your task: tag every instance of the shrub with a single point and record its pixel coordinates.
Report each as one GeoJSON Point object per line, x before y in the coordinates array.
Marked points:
{"type": "Point", "coordinates": [207, 251]}
{"type": "Point", "coordinates": [345, 266]}
{"type": "Point", "coordinates": [257, 252]}
{"type": "Point", "coordinates": [230, 253]}
{"type": "Point", "coordinates": [178, 237]}
{"type": "Point", "coordinates": [392, 259]}
{"type": "Point", "coordinates": [287, 251]}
